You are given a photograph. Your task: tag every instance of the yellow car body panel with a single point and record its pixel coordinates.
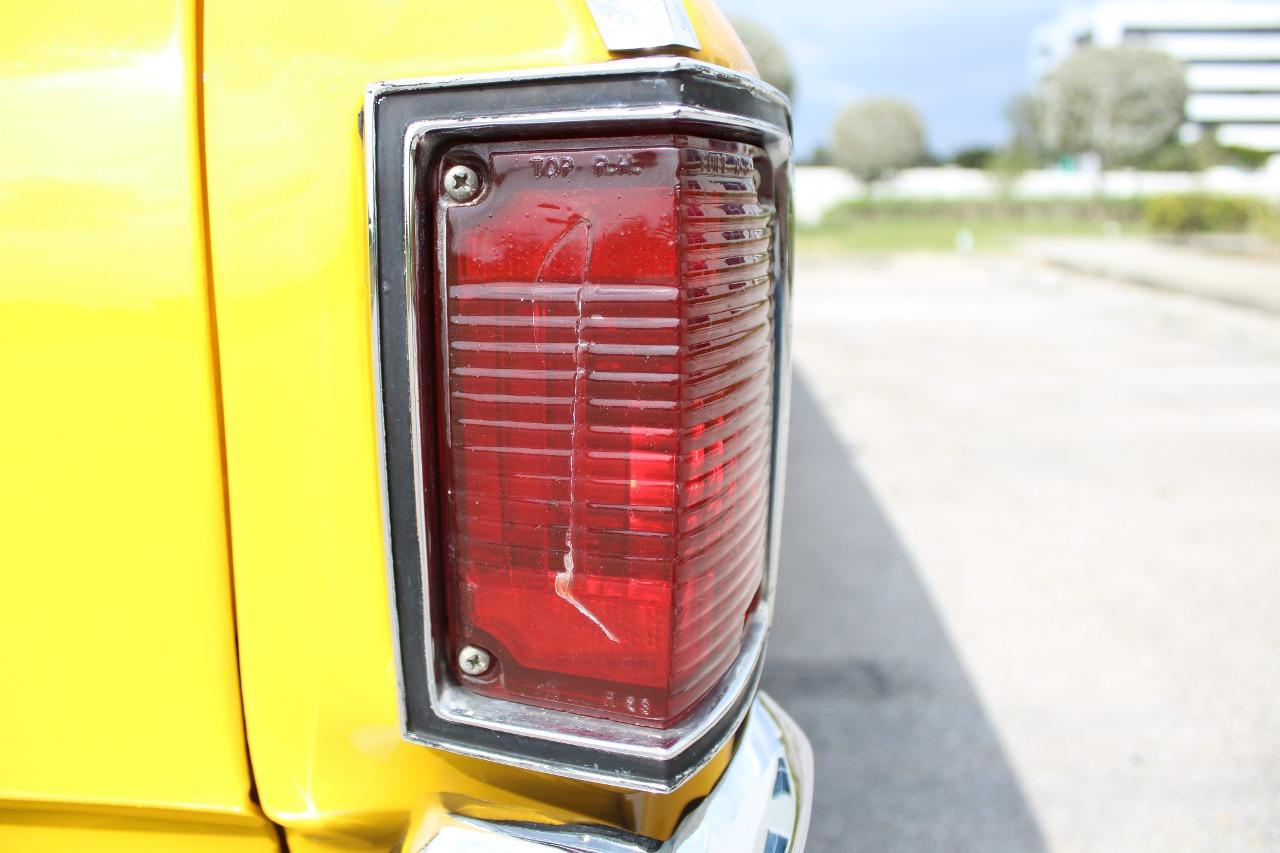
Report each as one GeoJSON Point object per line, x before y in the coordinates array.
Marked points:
{"type": "Point", "coordinates": [290, 271]}
{"type": "Point", "coordinates": [78, 828]}
{"type": "Point", "coordinates": [156, 383]}
{"type": "Point", "coordinates": [119, 676]}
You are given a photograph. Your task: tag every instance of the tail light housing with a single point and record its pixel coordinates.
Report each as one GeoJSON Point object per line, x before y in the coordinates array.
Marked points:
{"type": "Point", "coordinates": [580, 285]}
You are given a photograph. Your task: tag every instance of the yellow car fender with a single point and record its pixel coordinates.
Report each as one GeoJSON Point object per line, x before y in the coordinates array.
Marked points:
{"type": "Point", "coordinates": [188, 388]}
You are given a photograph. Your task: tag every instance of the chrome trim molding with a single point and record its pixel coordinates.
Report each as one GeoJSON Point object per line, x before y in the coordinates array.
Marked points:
{"type": "Point", "coordinates": [761, 804]}
{"type": "Point", "coordinates": [406, 123]}
{"type": "Point", "coordinates": [643, 24]}
{"type": "Point", "coordinates": [567, 73]}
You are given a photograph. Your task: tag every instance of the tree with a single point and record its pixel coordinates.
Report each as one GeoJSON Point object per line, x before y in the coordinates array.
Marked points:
{"type": "Point", "coordinates": [1025, 133]}
{"type": "Point", "coordinates": [877, 136]}
{"type": "Point", "coordinates": [1118, 103]}
{"type": "Point", "coordinates": [767, 53]}
{"type": "Point", "coordinates": [820, 156]}
{"type": "Point", "coordinates": [1023, 151]}
{"type": "Point", "coordinates": [973, 157]}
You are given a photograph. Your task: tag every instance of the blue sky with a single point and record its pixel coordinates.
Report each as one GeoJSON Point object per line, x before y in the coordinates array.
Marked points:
{"type": "Point", "coordinates": [958, 62]}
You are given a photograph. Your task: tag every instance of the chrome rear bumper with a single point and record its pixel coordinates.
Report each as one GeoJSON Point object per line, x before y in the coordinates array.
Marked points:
{"type": "Point", "coordinates": [760, 805]}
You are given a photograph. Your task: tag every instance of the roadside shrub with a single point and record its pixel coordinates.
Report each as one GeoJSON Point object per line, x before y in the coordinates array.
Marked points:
{"type": "Point", "coordinates": [1173, 157]}
{"type": "Point", "coordinates": [976, 157]}
{"type": "Point", "coordinates": [1267, 222]}
{"type": "Point", "coordinates": [1245, 158]}
{"type": "Point", "coordinates": [1198, 213]}
{"type": "Point", "coordinates": [986, 210]}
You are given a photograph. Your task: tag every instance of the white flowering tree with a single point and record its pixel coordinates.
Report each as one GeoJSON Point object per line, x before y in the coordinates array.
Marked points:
{"type": "Point", "coordinates": [768, 54]}
{"type": "Point", "coordinates": [876, 137]}
{"type": "Point", "coordinates": [1118, 103]}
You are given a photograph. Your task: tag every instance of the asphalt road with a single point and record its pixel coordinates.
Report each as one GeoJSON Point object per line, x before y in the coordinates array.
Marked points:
{"type": "Point", "coordinates": [1031, 561]}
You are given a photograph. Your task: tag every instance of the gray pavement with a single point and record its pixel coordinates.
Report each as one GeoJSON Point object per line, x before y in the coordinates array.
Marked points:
{"type": "Point", "coordinates": [1239, 280]}
{"type": "Point", "coordinates": [1031, 590]}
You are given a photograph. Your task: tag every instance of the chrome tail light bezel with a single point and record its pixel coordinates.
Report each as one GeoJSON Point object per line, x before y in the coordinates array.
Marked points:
{"type": "Point", "coordinates": [403, 123]}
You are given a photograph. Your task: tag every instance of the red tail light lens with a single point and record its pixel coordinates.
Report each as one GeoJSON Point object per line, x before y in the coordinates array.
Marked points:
{"type": "Point", "coordinates": [606, 387]}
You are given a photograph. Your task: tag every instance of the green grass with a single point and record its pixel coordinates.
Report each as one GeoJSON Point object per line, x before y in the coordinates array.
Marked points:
{"type": "Point", "coordinates": [899, 234]}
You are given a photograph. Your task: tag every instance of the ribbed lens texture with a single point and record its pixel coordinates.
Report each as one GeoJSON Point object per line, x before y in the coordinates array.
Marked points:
{"type": "Point", "coordinates": [606, 359]}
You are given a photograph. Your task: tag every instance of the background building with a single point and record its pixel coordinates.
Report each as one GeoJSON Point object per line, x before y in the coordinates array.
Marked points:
{"type": "Point", "coordinates": [1231, 49]}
